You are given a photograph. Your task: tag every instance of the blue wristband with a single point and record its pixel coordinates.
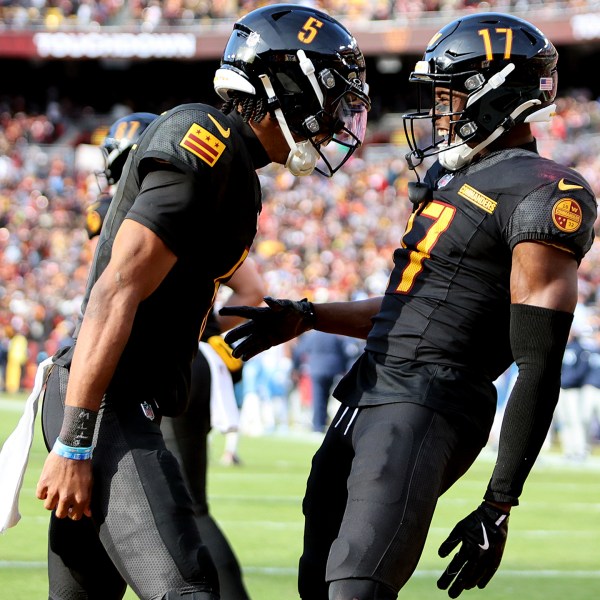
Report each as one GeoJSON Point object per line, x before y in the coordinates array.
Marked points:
{"type": "Point", "coordinates": [72, 452]}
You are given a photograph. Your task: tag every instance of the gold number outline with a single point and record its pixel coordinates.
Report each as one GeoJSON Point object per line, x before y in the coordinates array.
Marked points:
{"type": "Point", "coordinates": [441, 216]}
{"type": "Point", "coordinates": [487, 41]}
{"type": "Point", "coordinates": [309, 30]}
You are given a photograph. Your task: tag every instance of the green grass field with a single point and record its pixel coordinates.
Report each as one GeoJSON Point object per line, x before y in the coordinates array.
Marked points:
{"type": "Point", "coordinates": [553, 549]}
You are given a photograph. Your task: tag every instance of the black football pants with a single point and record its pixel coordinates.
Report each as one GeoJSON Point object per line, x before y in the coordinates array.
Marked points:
{"type": "Point", "coordinates": [186, 437]}
{"type": "Point", "coordinates": [371, 493]}
{"type": "Point", "coordinates": [142, 532]}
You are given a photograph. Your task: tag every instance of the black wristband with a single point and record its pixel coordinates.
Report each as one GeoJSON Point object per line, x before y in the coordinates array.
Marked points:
{"type": "Point", "coordinates": [308, 313]}
{"type": "Point", "coordinates": [78, 427]}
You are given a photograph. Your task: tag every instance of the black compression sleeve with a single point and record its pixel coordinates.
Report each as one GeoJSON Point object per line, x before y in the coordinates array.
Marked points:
{"type": "Point", "coordinates": [538, 338]}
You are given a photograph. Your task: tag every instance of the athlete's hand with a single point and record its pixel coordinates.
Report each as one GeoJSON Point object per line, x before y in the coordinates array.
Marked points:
{"type": "Point", "coordinates": [280, 321]}
{"type": "Point", "coordinates": [66, 485]}
{"type": "Point", "coordinates": [483, 536]}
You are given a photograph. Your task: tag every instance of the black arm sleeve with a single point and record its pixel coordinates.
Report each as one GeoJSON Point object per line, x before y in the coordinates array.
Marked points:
{"type": "Point", "coordinates": [538, 339]}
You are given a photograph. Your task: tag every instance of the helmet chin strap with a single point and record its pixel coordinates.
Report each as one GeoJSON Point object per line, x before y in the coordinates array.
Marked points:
{"type": "Point", "coordinates": [303, 156]}
{"type": "Point", "coordinates": [460, 154]}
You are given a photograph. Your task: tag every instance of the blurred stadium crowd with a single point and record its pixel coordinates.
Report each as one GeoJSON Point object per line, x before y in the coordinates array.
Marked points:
{"type": "Point", "coordinates": [147, 15]}
{"type": "Point", "coordinates": [318, 237]}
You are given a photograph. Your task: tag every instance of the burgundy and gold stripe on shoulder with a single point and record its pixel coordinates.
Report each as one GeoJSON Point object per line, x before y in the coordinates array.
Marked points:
{"type": "Point", "coordinates": [203, 144]}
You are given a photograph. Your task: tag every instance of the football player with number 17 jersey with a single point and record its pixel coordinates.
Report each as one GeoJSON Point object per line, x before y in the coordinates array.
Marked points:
{"type": "Point", "coordinates": [486, 273]}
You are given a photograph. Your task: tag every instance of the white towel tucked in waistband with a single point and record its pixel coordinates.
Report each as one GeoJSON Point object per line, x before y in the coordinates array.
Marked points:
{"type": "Point", "coordinates": [14, 456]}
{"type": "Point", "coordinates": [15, 453]}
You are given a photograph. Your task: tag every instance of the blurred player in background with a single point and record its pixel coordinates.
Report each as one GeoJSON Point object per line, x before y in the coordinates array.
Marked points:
{"type": "Point", "coordinates": [121, 137]}
{"type": "Point", "coordinates": [213, 406]}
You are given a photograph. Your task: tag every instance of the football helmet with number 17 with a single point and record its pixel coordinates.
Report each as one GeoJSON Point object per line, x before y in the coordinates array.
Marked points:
{"type": "Point", "coordinates": [504, 69]}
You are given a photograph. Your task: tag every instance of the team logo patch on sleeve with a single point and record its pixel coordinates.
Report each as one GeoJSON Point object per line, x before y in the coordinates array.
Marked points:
{"type": "Point", "coordinates": [566, 215]}
{"type": "Point", "coordinates": [203, 144]}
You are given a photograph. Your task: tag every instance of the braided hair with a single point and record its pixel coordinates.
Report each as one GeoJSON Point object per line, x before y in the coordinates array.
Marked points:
{"type": "Point", "coordinates": [250, 108]}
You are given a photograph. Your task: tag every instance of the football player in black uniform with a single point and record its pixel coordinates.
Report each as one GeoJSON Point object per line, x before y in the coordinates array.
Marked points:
{"type": "Point", "coordinates": [486, 272]}
{"type": "Point", "coordinates": [181, 222]}
{"type": "Point", "coordinates": [186, 436]}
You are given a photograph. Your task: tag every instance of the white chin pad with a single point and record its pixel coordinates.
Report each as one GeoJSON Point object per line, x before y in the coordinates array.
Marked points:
{"type": "Point", "coordinates": [302, 160]}
{"type": "Point", "coordinates": [455, 157]}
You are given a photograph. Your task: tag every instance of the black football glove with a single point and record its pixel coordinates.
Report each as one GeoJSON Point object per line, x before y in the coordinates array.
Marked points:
{"type": "Point", "coordinates": [283, 320]}
{"type": "Point", "coordinates": [483, 536]}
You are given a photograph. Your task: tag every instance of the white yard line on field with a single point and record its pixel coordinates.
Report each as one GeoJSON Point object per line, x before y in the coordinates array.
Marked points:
{"type": "Point", "coordinates": [542, 574]}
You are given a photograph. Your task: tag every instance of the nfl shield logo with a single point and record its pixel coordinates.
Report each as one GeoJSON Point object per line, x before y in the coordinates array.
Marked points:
{"type": "Point", "coordinates": [445, 180]}
{"type": "Point", "coordinates": [147, 410]}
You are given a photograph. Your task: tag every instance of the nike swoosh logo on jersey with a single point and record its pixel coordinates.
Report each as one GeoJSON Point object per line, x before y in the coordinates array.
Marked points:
{"type": "Point", "coordinates": [486, 543]}
{"type": "Point", "coordinates": [224, 132]}
{"type": "Point", "coordinates": [564, 187]}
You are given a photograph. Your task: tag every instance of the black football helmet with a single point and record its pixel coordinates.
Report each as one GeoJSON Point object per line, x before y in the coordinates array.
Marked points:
{"type": "Point", "coordinates": [121, 137]}
{"type": "Point", "coordinates": [502, 65]}
{"type": "Point", "coordinates": [311, 71]}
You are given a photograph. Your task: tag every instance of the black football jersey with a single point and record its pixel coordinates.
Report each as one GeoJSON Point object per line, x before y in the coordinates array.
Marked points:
{"type": "Point", "coordinates": [210, 227]}
{"type": "Point", "coordinates": [448, 297]}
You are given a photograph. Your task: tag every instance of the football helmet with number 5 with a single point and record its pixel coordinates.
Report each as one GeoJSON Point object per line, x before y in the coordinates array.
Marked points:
{"type": "Point", "coordinates": [504, 70]}
{"type": "Point", "coordinates": [309, 69]}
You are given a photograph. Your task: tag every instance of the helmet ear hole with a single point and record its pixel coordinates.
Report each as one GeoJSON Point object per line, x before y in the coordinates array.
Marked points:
{"type": "Point", "coordinates": [288, 84]}
{"type": "Point", "coordinates": [115, 168]}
